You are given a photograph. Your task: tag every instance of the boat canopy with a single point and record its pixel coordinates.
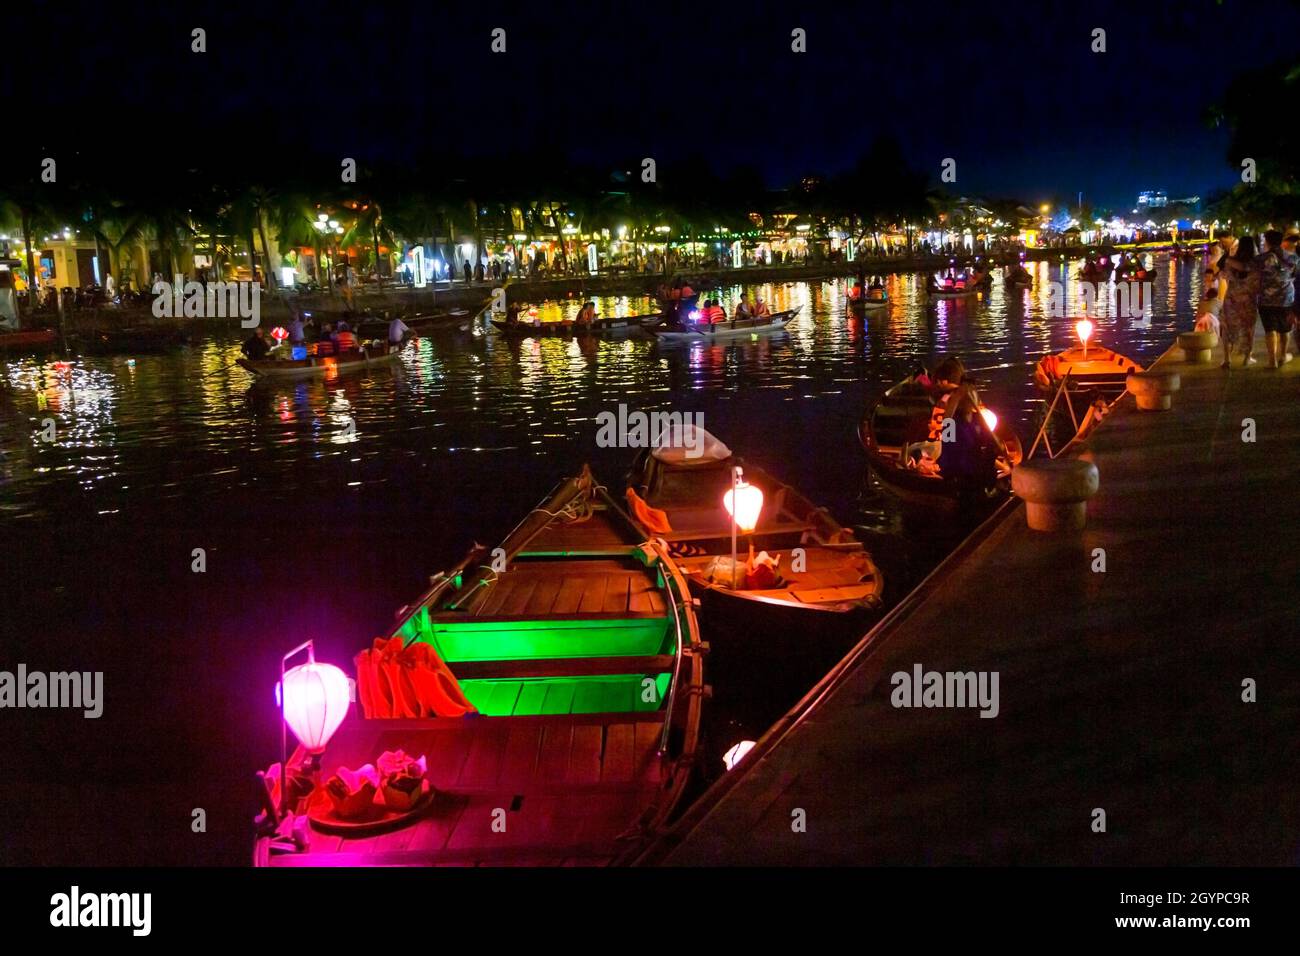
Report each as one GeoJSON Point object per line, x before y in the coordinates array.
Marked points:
{"type": "Point", "coordinates": [689, 445]}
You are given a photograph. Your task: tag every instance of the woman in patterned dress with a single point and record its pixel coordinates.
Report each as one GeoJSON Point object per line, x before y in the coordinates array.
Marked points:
{"type": "Point", "coordinates": [1241, 304]}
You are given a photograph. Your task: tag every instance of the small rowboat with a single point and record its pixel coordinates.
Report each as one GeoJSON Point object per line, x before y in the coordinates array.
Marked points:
{"type": "Point", "coordinates": [971, 288]}
{"type": "Point", "coordinates": [28, 340]}
{"type": "Point", "coordinates": [729, 329]}
{"type": "Point", "coordinates": [330, 365]}
{"type": "Point", "coordinates": [839, 575]}
{"type": "Point", "coordinates": [132, 340]}
{"type": "Point", "coordinates": [859, 306]}
{"type": "Point", "coordinates": [901, 417]}
{"type": "Point", "coordinates": [557, 692]}
{"type": "Point", "coordinates": [607, 325]}
{"type": "Point", "coordinates": [1094, 368]}
{"type": "Point", "coordinates": [789, 629]}
{"type": "Point", "coordinates": [373, 327]}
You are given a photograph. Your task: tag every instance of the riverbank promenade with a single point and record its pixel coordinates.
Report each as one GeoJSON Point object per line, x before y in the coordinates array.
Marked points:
{"type": "Point", "coordinates": [1120, 691]}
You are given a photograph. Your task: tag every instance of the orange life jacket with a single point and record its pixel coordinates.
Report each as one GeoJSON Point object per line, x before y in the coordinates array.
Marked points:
{"type": "Point", "coordinates": [346, 341]}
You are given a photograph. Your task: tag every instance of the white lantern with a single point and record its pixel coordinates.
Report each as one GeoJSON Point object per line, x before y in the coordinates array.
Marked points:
{"type": "Point", "coordinates": [315, 700]}
{"type": "Point", "coordinates": [744, 503]}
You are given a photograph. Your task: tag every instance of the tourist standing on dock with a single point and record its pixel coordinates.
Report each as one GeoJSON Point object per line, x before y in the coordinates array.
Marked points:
{"type": "Point", "coordinates": [1277, 269]}
{"type": "Point", "coordinates": [1241, 302]}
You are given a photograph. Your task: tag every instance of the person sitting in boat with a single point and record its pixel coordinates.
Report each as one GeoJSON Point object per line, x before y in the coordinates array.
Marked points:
{"type": "Point", "coordinates": [761, 309]}
{"type": "Point", "coordinates": [397, 332]}
{"type": "Point", "coordinates": [587, 314]}
{"type": "Point", "coordinates": [855, 293]}
{"type": "Point", "coordinates": [255, 347]}
{"type": "Point", "coordinates": [512, 313]}
{"type": "Point", "coordinates": [714, 313]}
{"type": "Point", "coordinates": [743, 310]}
{"type": "Point", "coordinates": [344, 340]}
{"type": "Point", "coordinates": [876, 292]}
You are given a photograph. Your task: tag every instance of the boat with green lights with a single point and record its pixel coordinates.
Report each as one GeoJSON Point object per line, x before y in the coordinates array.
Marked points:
{"type": "Point", "coordinates": [549, 690]}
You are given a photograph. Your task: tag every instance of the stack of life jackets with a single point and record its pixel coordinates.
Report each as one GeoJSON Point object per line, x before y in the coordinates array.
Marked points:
{"type": "Point", "coordinates": [393, 681]}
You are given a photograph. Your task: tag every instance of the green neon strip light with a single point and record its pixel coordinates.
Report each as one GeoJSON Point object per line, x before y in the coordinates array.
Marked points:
{"type": "Point", "coordinates": [616, 694]}
{"type": "Point", "coordinates": [526, 640]}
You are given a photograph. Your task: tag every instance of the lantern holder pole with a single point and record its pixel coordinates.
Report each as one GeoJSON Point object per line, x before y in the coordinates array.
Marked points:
{"type": "Point", "coordinates": [310, 648]}
{"type": "Point", "coordinates": [735, 484]}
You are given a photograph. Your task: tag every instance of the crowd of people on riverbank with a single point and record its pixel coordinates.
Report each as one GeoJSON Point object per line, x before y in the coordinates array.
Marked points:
{"type": "Point", "coordinates": [1251, 282]}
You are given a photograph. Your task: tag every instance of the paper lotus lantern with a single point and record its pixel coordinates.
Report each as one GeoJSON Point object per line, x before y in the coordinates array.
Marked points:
{"type": "Point", "coordinates": [315, 700]}
{"type": "Point", "coordinates": [279, 334]}
{"type": "Point", "coordinates": [744, 503]}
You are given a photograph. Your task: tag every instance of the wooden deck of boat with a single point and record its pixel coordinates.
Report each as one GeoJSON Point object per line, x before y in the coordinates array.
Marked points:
{"type": "Point", "coordinates": [562, 588]}
{"type": "Point", "coordinates": [569, 788]}
{"type": "Point", "coordinates": [1120, 691]}
{"type": "Point", "coordinates": [829, 575]}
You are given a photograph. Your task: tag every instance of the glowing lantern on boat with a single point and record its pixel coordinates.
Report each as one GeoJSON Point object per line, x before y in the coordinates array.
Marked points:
{"type": "Point", "coordinates": [1084, 328]}
{"type": "Point", "coordinates": [744, 502]}
{"type": "Point", "coordinates": [314, 699]}
{"type": "Point", "coordinates": [990, 418]}
{"type": "Point", "coordinates": [279, 334]}
{"type": "Point", "coordinates": [736, 753]}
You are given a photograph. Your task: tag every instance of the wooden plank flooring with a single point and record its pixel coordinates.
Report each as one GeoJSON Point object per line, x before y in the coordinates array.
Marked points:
{"type": "Point", "coordinates": [564, 790]}
{"type": "Point", "coordinates": [547, 588]}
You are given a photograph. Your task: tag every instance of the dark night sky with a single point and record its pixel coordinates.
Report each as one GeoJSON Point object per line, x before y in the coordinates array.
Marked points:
{"type": "Point", "coordinates": [1011, 91]}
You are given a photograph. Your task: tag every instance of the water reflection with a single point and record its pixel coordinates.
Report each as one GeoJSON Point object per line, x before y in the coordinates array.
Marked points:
{"type": "Point", "coordinates": [176, 421]}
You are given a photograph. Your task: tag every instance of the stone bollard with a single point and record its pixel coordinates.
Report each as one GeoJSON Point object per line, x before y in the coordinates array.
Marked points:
{"type": "Point", "coordinates": [1055, 492]}
{"type": "Point", "coordinates": [1153, 390]}
{"type": "Point", "coordinates": [1198, 347]}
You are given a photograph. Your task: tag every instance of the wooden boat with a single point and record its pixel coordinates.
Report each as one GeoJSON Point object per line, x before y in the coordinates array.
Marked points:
{"type": "Point", "coordinates": [902, 417]}
{"type": "Point", "coordinates": [352, 361]}
{"type": "Point", "coordinates": [424, 323]}
{"type": "Point", "coordinates": [1096, 369]}
{"type": "Point", "coordinates": [971, 288]}
{"type": "Point", "coordinates": [837, 575]}
{"type": "Point", "coordinates": [605, 325]}
{"type": "Point", "coordinates": [729, 329]}
{"type": "Point", "coordinates": [582, 661]}
{"type": "Point", "coordinates": [131, 340]}
{"type": "Point", "coordinates": [29, 340]}
{"type": "Point", "coordinates": [859, 306]}
{"type": "Point", "coordinates": [1101, 275]}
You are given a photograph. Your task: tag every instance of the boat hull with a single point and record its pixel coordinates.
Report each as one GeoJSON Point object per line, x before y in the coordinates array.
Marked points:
{"type": "Point", "coordinates": [731, 329]}
{"type": "Point", "coordinates": [314, 366]}
{"type": "Point", "coordinates": [29, 340]}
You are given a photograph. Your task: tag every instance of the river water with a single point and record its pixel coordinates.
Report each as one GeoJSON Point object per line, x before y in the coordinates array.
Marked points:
{"type": "Point", "coordinates": [320, 507]}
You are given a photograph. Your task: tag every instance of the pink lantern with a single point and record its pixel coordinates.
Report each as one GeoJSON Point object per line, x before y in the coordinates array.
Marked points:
{"type": "Point", "coordinates": [314, 699]}
{"type": "Point", "coordinates": [279, 334]}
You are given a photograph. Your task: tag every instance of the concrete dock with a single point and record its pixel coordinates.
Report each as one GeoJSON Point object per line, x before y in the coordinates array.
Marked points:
{"type": "Point", "coordinates": [1119, 690]}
